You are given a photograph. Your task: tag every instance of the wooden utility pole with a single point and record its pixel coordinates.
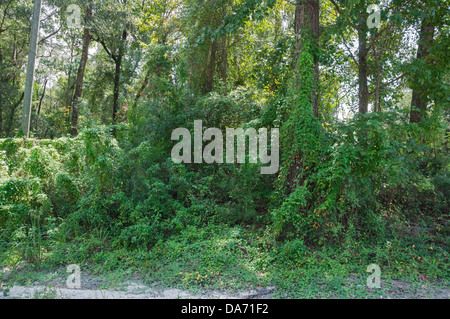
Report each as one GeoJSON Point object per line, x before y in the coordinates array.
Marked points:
{"type": "Point", "coordinates": [27, 100]}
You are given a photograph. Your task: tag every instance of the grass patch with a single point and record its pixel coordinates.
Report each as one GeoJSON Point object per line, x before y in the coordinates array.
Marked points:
{"type": "Point", "coordinates": [233, 259]}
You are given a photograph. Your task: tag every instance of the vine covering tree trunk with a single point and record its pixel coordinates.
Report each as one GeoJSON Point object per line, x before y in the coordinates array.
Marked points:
{"type": "Point", "coordinates": [307, 23]}
{"type": "Point", "coordinates": [80, 73]}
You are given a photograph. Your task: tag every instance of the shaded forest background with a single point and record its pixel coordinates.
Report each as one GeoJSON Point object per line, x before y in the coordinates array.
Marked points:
{"type": "Point", "coordinates": [363, 116]}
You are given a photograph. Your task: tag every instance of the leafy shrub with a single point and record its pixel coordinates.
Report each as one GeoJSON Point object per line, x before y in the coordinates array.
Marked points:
{"type": "Point", "coordinates": [362, 178]}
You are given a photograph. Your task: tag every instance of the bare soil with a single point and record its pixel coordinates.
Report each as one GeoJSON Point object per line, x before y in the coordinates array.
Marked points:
{"type": "Point", "coordinates": [96, 287]}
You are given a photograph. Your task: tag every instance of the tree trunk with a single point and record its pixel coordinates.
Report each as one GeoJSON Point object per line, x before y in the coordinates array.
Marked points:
{"type": "Point", "coordinates": [1, 111]}
{"type": "Point", "coordinates": [26, 114]}
{"type": "Point", "coordinates": [80, 74]}
{"type": "Point", "coordinates": [377, 104]}
{"type": "Point", "coordinates": [363, 91]}
{"type": "Point", "coordinates": [68, 94]}
{"type": "Point", "coordinates": [42, 97]}
{"type": "Point", "coordinates": [209, 81]}
{"type": "Point", "coordinates": [224, 57]}
{"type": "Point", "coordinates": [1, 119]}
{"type": "Point", "coordinates": [224, 53]}
{"type": "Point", "coordinates": [116, 87]}
{"type": "Point", "coordinates": [118, 61]}
{"type": "Point", "coordinates": [313, 15]}
{"type": "Point", "coordinates": [419, 95]}
{"type": "Point", "coordinates": [307, 22]}
{"type": "Point", "coordinates": [297, 29]}
{"type": "Point", "coordinates": [10, 121]}
{"type": "Point", "coordinates": [142, 88]}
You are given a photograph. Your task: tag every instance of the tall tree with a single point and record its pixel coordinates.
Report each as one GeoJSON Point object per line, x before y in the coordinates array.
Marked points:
{"type": "Point", "coordinates": [355, 18]}
{"type": "Point", "coordinates": [81, 70]}
{"type": "Point", "coordinates": [112, 28]}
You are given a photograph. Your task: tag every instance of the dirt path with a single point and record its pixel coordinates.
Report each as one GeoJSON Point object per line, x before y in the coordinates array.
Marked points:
{"type": "Point", "coordinates": [135, 290]}
{"type": "Point", "coordinates": [96, 287]}
{"type": "Point", "coordinates": [131, 291]}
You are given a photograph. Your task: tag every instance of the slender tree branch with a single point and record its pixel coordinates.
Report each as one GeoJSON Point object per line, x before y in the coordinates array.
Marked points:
{"type": "Point", "coordinates": [349, 50]}
{"type": "Point", "coordinates": [50, 35]}
{"type": "Point", "coordinates": [383, 85]}
{"type": "Point", "coordinates": [50, 15]}
{"type": "Point", "coordinates": [113, 56]}
{"type": "Point", "coordinates": [4, 16]}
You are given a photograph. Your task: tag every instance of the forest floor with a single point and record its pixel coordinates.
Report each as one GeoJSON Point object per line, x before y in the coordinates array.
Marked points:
{"type": "Point", "coordinates": [39, 284]}
{"type": "Point", "coordinates": [232, 263]}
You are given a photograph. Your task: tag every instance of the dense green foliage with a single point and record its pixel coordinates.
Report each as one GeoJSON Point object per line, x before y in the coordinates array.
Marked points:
{"type": "Point", "coordinates": [372, 188]}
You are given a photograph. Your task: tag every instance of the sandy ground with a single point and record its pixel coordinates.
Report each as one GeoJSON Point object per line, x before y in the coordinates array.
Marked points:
{"type": "Point", "coordinates": [134, 290]}
{"type": "Point", "coordinates": [95, 287]}
{"type": "Point", "coordinates": [131, 291]}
